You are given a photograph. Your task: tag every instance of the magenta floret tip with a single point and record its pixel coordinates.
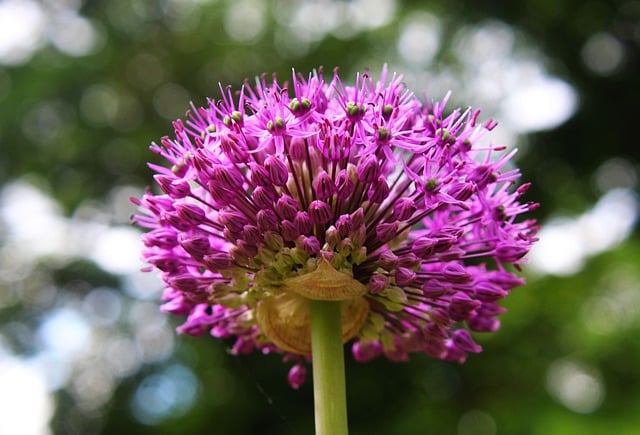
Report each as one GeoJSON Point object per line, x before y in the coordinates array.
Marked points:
{"type": "Point", "coordinates": [364, 185]}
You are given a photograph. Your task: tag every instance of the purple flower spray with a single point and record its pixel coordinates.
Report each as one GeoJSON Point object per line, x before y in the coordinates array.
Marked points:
{"type": "Point", "coordinates": [302, 216]}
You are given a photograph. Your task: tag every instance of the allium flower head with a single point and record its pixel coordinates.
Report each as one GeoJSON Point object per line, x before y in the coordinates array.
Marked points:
{"type": "Point", "coordinates": [318, 190]}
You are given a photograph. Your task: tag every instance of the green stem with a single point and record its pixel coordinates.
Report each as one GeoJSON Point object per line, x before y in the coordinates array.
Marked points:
{"type": "Point", "coordinates": [329, 389]}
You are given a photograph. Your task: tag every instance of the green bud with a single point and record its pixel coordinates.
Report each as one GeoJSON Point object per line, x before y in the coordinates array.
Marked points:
{"type": "Point", "coordinates": [239, 279]}
{"type": "Point", "coordinates": [393, 298]}
{"type": "Point", "coordinates": [294, 105]}
{"type": "Point", "coordinates": [265, 256]}
{"type": "Point", "coordinates": [306, 103]}
{"type": "Point", "coordinates": [387, 110]}
{"type": "Point", "coordinates": [332, 237]}
{"type": "Point", "coordinates": [299, 256]}
{"type": "Point", "coordinates": [444, 132]}
{"type": "Point", "coordinates": [236, 116]}
{"type": "Point", "coordinates": [388, 340]}
{"type": "Point", "coordinates": [345, 246]}
{"type": "Point", "coordinates": [273, 241]}
{"type": "Point", "coordinates": [279, 122]}
{"type": "Point", "coordinates": [383, 133]}
{"type": "Point", "coordinates": [359, 255]}
{"type": "Point", "coordinates": [283, 262]}
{"type": "Point", "coordinates": [352, 172]}
{"type": "Point", "coordinates": [238, 255]}
{"type": "Point", "coordinates": [377, 320]}
{"type": "Point", "coordinates": [354, 109]}
{"type": "Point", "coordinates": [231, 301]}
{"type": "Point", "coordinates": [269, 277]}
{"type": "Point", "coordinates": [431, 184]}
{"type": "Point", "coordinates": [368, 332]}
{"type": "Point", "coordinates": [220, 289]}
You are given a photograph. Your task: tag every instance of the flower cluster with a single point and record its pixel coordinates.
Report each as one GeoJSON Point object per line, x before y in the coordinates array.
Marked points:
{"type": "Point", "coordinates": [319, 190]}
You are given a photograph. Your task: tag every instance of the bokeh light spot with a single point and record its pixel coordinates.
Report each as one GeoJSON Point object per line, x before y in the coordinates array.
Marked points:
{"type": "Point", "coordinates": [64, 332]}
{"type": "Point", "coordinates": [476, 422]}
{"type": "Point", "coordinates": [22, 30]}
{"type": "Point", "coordinates": [26, 406]}
{"type": "Point", "coordinates": [603, 54]}
{"type": "Point", "coordinates": [565, 243]}
{"type": "Point", "coordinates": [116, 250]}
{"type": "Point", "coordinates": [99, 104]}
{"type": "Point", "coordinates": [102, 306]}
{"type": "Point", "coordinates": [164, 395]}
{"type": "Point", "coordinates": [171, 101]}
{"type": "Point", "coordinates": [617, 307]}
{"type": "Point", "coordinates": [245, 20]}
{"type": "Point", "coordinates": [575, 385]}
{"type": "Point", "coordinates": [419, 39]}
{"type": "Point", "coordinates": [541, 105]}
{"type": "Point", "coordinates": [145, 71]}
{"type": "Point", "coordinates": [616, 173]}
{"type": "Point", "coordinates": [75, 35]}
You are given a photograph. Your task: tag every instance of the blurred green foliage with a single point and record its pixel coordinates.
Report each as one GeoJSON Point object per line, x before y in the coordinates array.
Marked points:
{"type": "Point", "coordinates": [566, 358]}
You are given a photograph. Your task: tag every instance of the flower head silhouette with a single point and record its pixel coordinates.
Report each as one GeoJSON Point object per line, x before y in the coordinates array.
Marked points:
{"type": "Point", "coordinates": [318, 190]}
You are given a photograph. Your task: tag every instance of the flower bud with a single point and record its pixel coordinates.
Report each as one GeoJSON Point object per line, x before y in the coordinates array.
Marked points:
{"type": "Point", "coordinates": [258, 175]}
{"type": "Point", "coordinates": [267, 220]}
{"type": "Point", "coordinates": [435, 288]}
{"type": "Point", "coordinates": [462, 339]}
{"type": "Point", "coordinates": [510, 252]}
{"type": "Point", "coordinates": [319, 212]}
{"type": "Point", "coordinates": [386, 231]}
{"type": "Point", "coordinates": [388, 260]}
{"type": "Point", "coordinates": [302, 221]}
{"type": "Point", "coordinates": [332, 237]}
{"type": "Point", "coordinates": [278, 172]}
{"type": "Point", "coordinates": [310, 245]}
{"type": "Point", "coordinates": [263, 197]}
{"type": "Point", "coordinates": [487, 292]}
{"type": "Point", "coordinates": [364, 351]}
{"type": "Point", "coordinates": [273, 241]}
{"type": "Point", "coordinates": [226, 178]}
{"type": "Point", "coordinates": [483, 324]}
{"type": "Point", "coordinates": [455, 273]}
{"type": "Point", "coordinates": [461, 306]}
{"type": "Point", "coordinates": [324, 186]}
{"type": "Point", "coordinates": [218, 261]}
{"type": "Point", "coordinates": [378, 191]}
{"type": "Point", "coordinates": [344, 185]}
{"type": "Point", "coordinates": [175, 188]}
{"type": "Point", "coordinates": [191, 213]}
{"type": "Point", "coordinates": [289, 230]}
{"type": "Point", "coordinates": [297, 376]}
{"type": "Point", "coordinates": [405, 276]}
{"type": "Point", "coordinates": [403, 209]}
{"type": "Point", "coordinates": [252, 234]}
{"type": "Point", "coordinates": [368, 169]}
{"type": "Point", "coordinates": [287, 207]}
{"type": "Point", "coordinates": [298, 149]}
{"type": "Point", "coordinates": [196, 245]}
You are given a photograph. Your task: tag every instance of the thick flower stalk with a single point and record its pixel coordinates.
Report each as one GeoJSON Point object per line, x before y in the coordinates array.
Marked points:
{"type": "Point", "coordinates": [318, 191]}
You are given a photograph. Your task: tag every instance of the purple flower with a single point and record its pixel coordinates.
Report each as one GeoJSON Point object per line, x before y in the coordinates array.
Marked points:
{"type": "Point", "coordinates": [361, 194]}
